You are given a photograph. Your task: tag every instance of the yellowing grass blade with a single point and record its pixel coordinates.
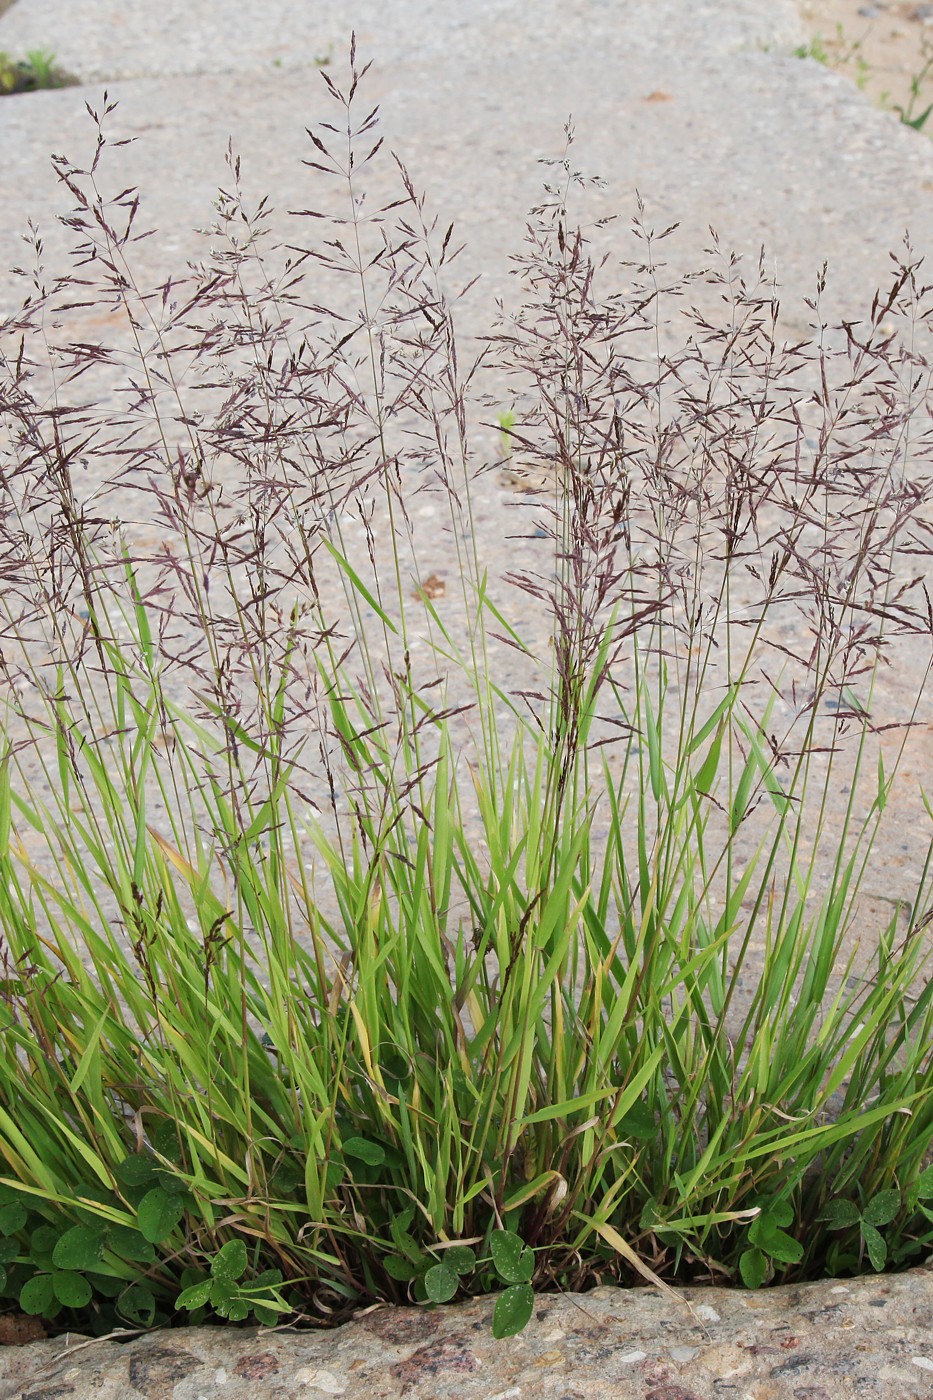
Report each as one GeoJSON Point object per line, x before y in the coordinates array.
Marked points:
{"type": "Point", "coordinates": [615, 1240]}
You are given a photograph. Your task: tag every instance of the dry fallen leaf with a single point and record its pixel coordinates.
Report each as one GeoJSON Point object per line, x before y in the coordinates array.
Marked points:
{"type": "Point", "coordinates": [658, 96]}
{"type": "Point", "coordinates": [433, 587]}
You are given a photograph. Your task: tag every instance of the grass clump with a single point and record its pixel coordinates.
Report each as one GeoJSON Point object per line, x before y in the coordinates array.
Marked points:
{"type": "Point", "coordinates": [360, 945]}
{"type": "Point", "coordinates": [37, 70]}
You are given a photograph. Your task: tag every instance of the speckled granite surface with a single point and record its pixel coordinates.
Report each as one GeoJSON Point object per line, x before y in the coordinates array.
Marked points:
{"type": "Point", "coordinates": [834, 1341]}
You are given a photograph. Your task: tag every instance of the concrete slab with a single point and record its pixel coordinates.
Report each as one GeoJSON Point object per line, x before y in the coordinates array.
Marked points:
{"type": "Point", "coordinates": [703, 109]}
{"type": "Point", "coordinates": [697, 106]}
{"type": "Point", "coordinates": [865, 1339]}
{"type": "Point", "coordinates": [109, 39]}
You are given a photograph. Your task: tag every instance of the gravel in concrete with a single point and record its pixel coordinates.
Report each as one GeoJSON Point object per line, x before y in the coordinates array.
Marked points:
{"type": "Point", "coordinates": [837, 1341]}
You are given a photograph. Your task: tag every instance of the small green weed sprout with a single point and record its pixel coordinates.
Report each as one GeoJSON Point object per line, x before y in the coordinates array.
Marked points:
{"type": "Point", "coordinates": [910, 115]}
{"type": "Point", "coordinates": [816, 49]}
{"type": "Point", "coordinates": [358, 946]}
{"type": "Point", "coordinates": [840, 53]}
{"type": "Point", "coordinates": [41, 63]}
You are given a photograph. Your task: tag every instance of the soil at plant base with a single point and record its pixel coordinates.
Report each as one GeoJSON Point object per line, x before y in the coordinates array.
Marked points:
{"type": "Point", "coordinates": [880, 44]}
